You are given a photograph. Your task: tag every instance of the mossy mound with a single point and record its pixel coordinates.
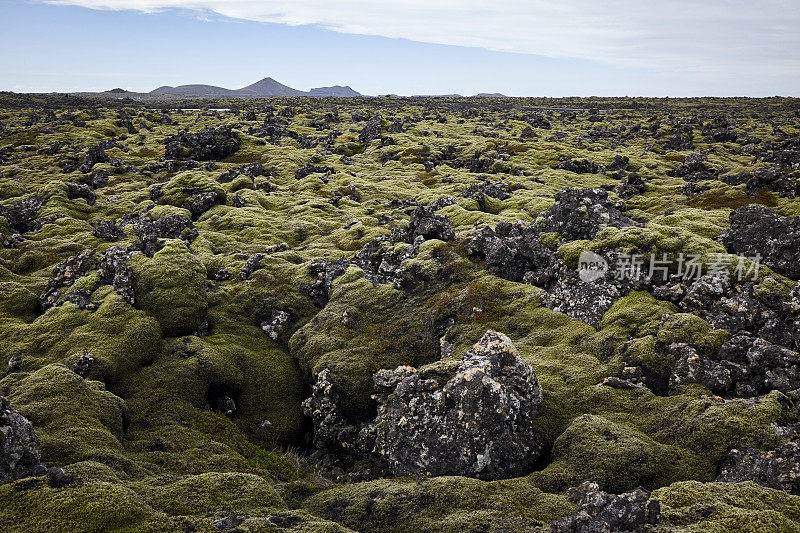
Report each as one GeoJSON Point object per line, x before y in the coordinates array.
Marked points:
{"type": "Point", "coordinates": [171, 286]}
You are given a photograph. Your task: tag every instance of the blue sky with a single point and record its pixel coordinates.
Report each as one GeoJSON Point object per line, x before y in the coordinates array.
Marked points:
{"type": "Point", "coordinates": [409, 47]}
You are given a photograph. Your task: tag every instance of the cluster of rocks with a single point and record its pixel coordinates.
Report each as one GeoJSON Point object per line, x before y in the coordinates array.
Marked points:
{"type": "Point", "coordinates": [582, 213]}
{"type": "Point", "coordinates": [23, 215]}
{"type": "Point", "coordinates": [112, 265]}
{"type": "Point", "coordinates": [516, 252]}
{"type": "Point", "coordinates": [274, 129]}
{"type": "Point", "coordinates": [471, 417]}
{"type": "Point", "coordinates": [479, 192]}
{"type": "Point", "coordinates": [756, 230]}
{"type": "Point", "coordinates": [307, 170]}
{"type": "Point", "coordinates": [694, 169]}
{"type": "Point", "coordinates": [744, 367]}
{"type": "Point", "coordinates": [601, 512]}
{"type": "Point", "coordinates": [777, 469]}
{"type": "Point", "coordinates": [579, 166]}
{"type": "Point", "coordinates": [771, 178]}
{"type": "Point", "coordinates": [205, 145]}
{"type": "Point", "coordinates": [630, 185]}
{"type": "Point", "coordinates": [251, 170]}
{"type": "Point", "coordinates": [94, 155]}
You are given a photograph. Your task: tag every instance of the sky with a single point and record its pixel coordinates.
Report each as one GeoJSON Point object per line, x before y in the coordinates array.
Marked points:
{"type": "Point", "coordinates": [515, 47]}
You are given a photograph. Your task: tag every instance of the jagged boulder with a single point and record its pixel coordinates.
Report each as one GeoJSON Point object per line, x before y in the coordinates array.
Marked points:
{"type": "Point", "coordinates": [475, 420]}
{"type": "Point", "coordinates": [19, 447]}
{"type": "Point", "coordinates": [582, 213]}
{"type": "Point", "coordinates": [514, 252]}
{"type": "Point", "coordinates": [758, 230]}
{"type": "Point", "coordinates": [601, 512]}
{"type": "Point", "coordinates": [371, 131]}
{"type": "Point", "coordinates": [208, 144]}
{"type": "Point", "coordinates": [429, 225]}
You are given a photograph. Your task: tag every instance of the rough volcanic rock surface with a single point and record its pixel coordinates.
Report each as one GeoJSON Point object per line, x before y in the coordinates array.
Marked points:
{"type": "Point", "coordinates": [776, 469]}
{"type": "Point", "coordinates": [514, 252]}
{"type": "Point", "coordinates": [19, 447]}
{"type": "Point", "coordinates": [479, 422]}
{"type": "Point", "coordinates": [758, 231]}
{"type": "Point", "coordinates": [601, 512]}
{"type": "Point", "coordinates": [582, 213]}
{"type": "Point", "coordinates": [206, 145]}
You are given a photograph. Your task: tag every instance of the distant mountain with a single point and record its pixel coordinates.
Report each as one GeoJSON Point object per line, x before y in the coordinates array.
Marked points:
{"type": "Point", "coordinates": [265, 88]}
{"type": "Point", "coordinates": [209, 91]}
{"type": "Point", "coordinates": [268, 87]}
{"type": "Point", "coordinates": [491, 95]}
{"type": "Point", "coordinates": [335, 90]}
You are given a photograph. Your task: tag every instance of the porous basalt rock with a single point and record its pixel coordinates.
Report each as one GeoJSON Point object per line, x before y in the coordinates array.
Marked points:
{"type": "Point", "coordinates": [693, 168]}
{"type": "Point", "coordinates": [107, 230]}
{"type": "Point", "coordinates": [64, 275]}
{"type": "Point", "coordinates": [776, 469]}
{"type": "Point", "coordinates": [582, 213]}
{"type": "Point", "coordinates": [758, 230]}
{"type": "Point", "coordinates": [208, 144]}
{"type": "Point", "coordinates": [371, 131]}
{"type": "Point", "coordinates": [19, 447]}
{"type": "Point", "coordinates": [601, 512]}
{"type": "Point", "coordinates": [630, 186]}
{"type": "Point", "coordinates": [477, 421]}
{"type": "Point", "coordinates": [324, 273]}
{"type": "Point", "coordinates": [429, 225]}
{"type": "Point", "coordinates": [579, 166]}
{"type": "Point", "coordinates": [332, 430]}
{"type": "Point", "coordinates": [745, 367]}
{"type": "Point", "coordinates": [94, 155]}
{"type": "Point", "coordinates": [514, 252]}
{"type": "Point", "coordinates": [584, 301]}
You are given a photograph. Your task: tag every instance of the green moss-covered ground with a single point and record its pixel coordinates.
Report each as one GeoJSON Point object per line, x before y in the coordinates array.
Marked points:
{"type": "Point", "coordinates": [142, 431]}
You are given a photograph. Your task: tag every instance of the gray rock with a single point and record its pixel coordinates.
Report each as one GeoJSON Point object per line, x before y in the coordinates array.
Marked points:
{"type": "Point", "coordinates": [582, 213]}
{"type": "Point", "coordinates": [19, 447]}
{"type": "Point", "coordinates": [601, 512]}
{"type": "Point", "coordinates": [476, 420]}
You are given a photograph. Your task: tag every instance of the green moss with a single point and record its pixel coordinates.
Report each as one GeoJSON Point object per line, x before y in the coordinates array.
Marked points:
{"type": "Point", "coordinates": [446, 504]}
{"type": "Point", "coordinates": [721, 507]}
{"type": "Point", "coordinates": [691, 329]}
{"type": "Point", "coordinates": [592, 443]}
{"type": "Point", "coordinates": [76, 420]}
{"type": "Point", "coordinates": [177, 191]}
{"type": "Point", "coordinates": [171, 287]}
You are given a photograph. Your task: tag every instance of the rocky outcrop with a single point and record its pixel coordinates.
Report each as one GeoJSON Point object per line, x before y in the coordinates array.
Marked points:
{"type": "Point", "coordinates": [758, 230]}
{"type": "Point", "coordinates": [478, 421]}
{"type": "Point", "coordinates": [429, 225]}
{"type": "Point", "coordinates": [582, 213]}
{"type": "Point", "coordinates": [514, 252]}
{"type": "Point", "coordinates": [579, 166]}
{"type": "Point", "coordinates": [471, 417]}
{"type": "Point", "coordinates": [776, 469]}
{"type": "Point", "coordinates": [371, 131]}
{"type": "Point", "coordinates": [601, 512]}
{"type": "Point", "coordinates": [206, 145]}
{"type": "Point", "coordinates": [19, 447]}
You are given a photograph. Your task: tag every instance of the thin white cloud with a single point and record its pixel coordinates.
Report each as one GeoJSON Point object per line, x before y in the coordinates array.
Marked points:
{"type": "Point", "coordinates": [712, 38]}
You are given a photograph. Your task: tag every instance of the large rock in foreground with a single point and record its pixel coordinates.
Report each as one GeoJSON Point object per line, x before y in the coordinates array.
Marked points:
{"type": "Point", "coordinates": [19, 447]}
{"type": "Point", "coordinates": [474, 418]}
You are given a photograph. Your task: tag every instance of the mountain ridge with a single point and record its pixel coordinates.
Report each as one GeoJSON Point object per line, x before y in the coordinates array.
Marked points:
{"type": "Point", "coordinates": [264, 88]}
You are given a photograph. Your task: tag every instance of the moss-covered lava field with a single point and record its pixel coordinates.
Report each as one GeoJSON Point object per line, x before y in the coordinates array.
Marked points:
{"type": "Point", "coordinates": [280, 315]}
